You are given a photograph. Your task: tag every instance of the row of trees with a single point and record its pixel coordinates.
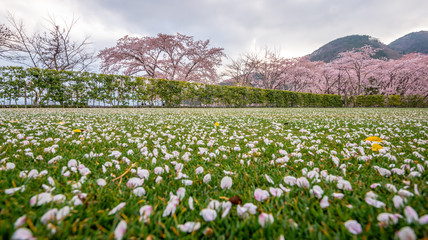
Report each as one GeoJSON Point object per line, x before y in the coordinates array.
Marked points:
{"type": "Point", "coordinates": [180, 57]}
{"type": "Point", "coordinates": [352, 73]}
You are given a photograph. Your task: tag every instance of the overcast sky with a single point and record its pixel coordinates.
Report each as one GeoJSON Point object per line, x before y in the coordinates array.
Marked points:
{"type": "Point", "coordinates": [296, 27]}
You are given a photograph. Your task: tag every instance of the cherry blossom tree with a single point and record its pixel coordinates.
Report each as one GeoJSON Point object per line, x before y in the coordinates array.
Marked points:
{"type": "Point", "coordinates": [263, 69]}
{"type": "Point", "coordinates": [172, 57]}
{"type": "Point", "coordinates": [405, 76]}
{"type": "Point", "coordinates": [302, 75]}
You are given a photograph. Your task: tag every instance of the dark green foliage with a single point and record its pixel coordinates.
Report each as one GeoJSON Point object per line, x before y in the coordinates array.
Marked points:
{"type": "Point", "coordinates": [390, 101]}
{"type": "Point", "coordinates": [82, 89]}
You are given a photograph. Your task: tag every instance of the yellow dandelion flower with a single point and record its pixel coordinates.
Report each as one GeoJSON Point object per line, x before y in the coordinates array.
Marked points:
{"type": "Point", "coordinates": [376, 147]}
{"type": "Point", "coordinates": [77, 130]}
{"type": "Point", "coordinates": [217, 124]}
{"type": "Point", "coordinates": [374, 139]}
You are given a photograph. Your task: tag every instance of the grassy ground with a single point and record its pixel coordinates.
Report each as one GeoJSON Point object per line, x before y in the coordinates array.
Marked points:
{"type": "Point", "coordinates": [256, 148]}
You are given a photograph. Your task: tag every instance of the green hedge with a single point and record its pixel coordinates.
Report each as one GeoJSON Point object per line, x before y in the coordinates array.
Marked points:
{"type": "Point", "coordinates": [391, 101]}
{"type": "Point", "coordinates": [44, 87]}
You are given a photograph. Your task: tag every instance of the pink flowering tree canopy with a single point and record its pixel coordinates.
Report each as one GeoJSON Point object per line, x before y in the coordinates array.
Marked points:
{"type": "Point", "coordinates": [172, 57]}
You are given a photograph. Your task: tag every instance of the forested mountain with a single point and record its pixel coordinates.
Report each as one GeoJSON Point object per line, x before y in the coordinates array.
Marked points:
{"type": "Point", "coordinates": [412, 42]}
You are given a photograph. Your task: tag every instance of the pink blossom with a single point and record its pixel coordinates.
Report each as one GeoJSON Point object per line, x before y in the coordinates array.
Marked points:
{"type": "Point", "coordinates": [302, 182]}
{"type": "Point", "coordinates": [423, 220]}
{"type": "Point", "coordinates": [406, 233]}
{"type": "Point", "coordinates": [41, 199]}
{"type": "Point", "coordinates": [338, 195]}
{"type": "Point", "coordinates": [208, 214]}
{"type": "Point", "coordinates": [226, 183]}
{"type": "Point", "coordinates": [214, 204]}
{"type": "Point", "coordinates": [181, 192]}
{"type": "Point", "coordinates": [101, 182]}
{"type": "Point", "coordinates": [189, 227]}
{"type": "Point", "coordinates": [23, 233]}
{"type": "Point", "coordinates": [190, 201]}
{"type": "Point", "coordinates": [345, 185]}
{"type": "Point", "coordinates": [20, 221]}
{"type": "Point", "coordinates": [353, 227]}
{"type": "Point", "coordinates": [49, 216]}
{"type": "Point", "coordinates": [207, 178]}
{"type": "Point", "coordinates": [120, 230]}
{"type": "Point", "coordinates": [317, 191]}
{"type": "Point", "coordinates": [261, 195]}
{"type": "Point", "coordinates": [172, 205]}
{"type": "Point", "coordinates": [158, 170]}
{"type": "Point", "coordinates": [143, 173]}
{"type": "Point", "coordinates": [269, 179]}
{"type": "Point", "coordinates": [134, 182]}
{"type": "Point", "coordinates": [375, 203]}
{"type": "Point", "coordinates": [265, 219]}
{"type": "Point", "coordinates": [115, 154]}
{"type": "Point", "coordinates": [398, 201]}
{"type": "Point", "coordinates": [139, 191]}
{"type": "Point", "coordinates": [226, 206]}
{"type": "Point", "coordinates": [387, 218]}
{"type": "Point", "coordinates": [145, 212]}
{"type": "Point", "coordinates": [290, 180]}
{"type": "Point", "coordinates": [117, 208]}
{"type": "Point", "coordinates": [324, 202]}
{"type": "Point", "coordinates": [411, 214]}
{"type": "Point", "coordinates": [277, 192]}
{"type": "Point", "coordinates": [199, 170]}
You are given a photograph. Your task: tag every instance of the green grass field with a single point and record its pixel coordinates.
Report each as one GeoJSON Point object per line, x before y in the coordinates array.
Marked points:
{"type": "Point", "coordinates": [145, 173]}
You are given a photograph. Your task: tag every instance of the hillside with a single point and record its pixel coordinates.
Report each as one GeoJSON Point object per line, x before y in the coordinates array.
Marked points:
{"type": "Point", "coordinates": [329, 51]}
{"type": "Point", "coordinates": [412, 42]}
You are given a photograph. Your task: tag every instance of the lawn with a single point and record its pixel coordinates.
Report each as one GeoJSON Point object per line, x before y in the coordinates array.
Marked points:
{"type": "Point", "coordinates": [214, 173]}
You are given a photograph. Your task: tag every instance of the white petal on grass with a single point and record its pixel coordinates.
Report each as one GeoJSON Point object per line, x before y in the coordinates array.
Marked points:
{"type": "Point", "coordinates": [344, 185]}
{"type": "Point", "coordinates": [63, 213]}
{"type": "Point", "coordinates": [41, 199]}
{"type": "Point", "coordinates": [139, 191]}
{"type": "Point", "coordinates": [134, 182]}
{"type": "Point", "coordinates": [375, 203]}
{"type": "Point", "coordinates": [23, 233]}
{"type": "Point", "coordinates": [181, 192]}
{"type": "Point", "coordinates": [120, 230]}
{"type": "Point", "coordinates": [338, 195]}
{"type": "Point", "coordinates": [117, 208]}
{"type": "Point", "coordinates": [49, 216]}
{"type": "Point", "coordinates": [265, 219]}
{"type": "Point", "coordinates": [208, 214]}
{"type": "Point", "coordinates": [226, 206]}
{"type": "Point", "coordinates": [324, 202]}
{"type": "Point", "coordinates": [207, 178]}
{"type": "Point", "coordinates": [101, 182]}
{"type": "Point", "coordinates": [406, 233]}
{"type": "Point", "coordinates": [269, 179]}
{"type": "Point", "coordinates": [411, 214]}
{"type": "Point", "coordinates": [277, 192]}
{"type": "Point", "coordinates": [353, 227]}
{"type": "Point", "coordinates": [398, 201]}
{"type": "Point", "coordinates": [423, 220]}
{"type": "Point", "coordinates": [20, 221]}
{"type": "Point", "coordinates": [290, 180]}
{"type": "Point", "coordinates": [226, 182]}
{"type": "Point", "coordinates": [145, 212]}
{"type": "Point", "coordinates": [302, 182]}
{"type": "Point", "coordinates": [190, 201]}
{"type": "Point", "coordinates": [261, 195]}
{"type": "Point", "coordinates": [189, 226]}
{"type": "Point", "coordinates": [199, 170]}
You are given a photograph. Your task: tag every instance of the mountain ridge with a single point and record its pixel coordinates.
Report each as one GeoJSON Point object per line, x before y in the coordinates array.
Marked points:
{"type": "Point", "coordinates": [409, 43]}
